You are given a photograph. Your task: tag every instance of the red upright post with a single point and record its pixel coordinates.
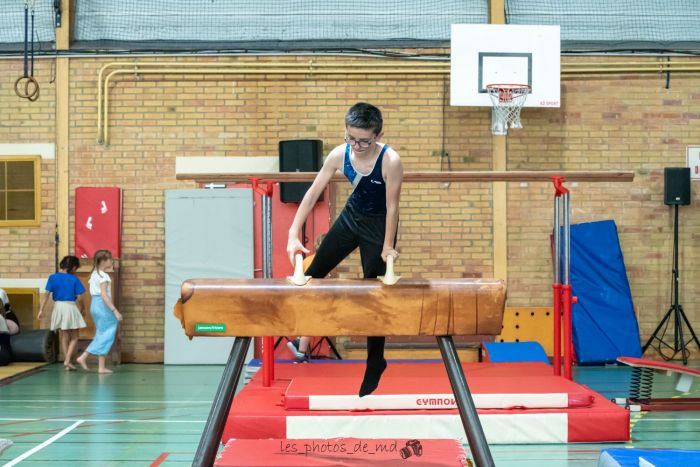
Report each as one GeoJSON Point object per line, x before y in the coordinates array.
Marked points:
{"type": "Point", "coordinates": [567, 301]}
{"type": "Point", "coordinates": [556, 318]}
{"type": "Point", "coordinates": [268, 344]}
{"type": "Point", "coordinates": [268, 361]}
{"type": "Point", "coordinates": [559, 190]}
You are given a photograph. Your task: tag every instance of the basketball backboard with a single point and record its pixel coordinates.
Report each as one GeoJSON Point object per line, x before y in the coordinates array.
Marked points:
{"type": "Point", "coordinates": [485, 54]}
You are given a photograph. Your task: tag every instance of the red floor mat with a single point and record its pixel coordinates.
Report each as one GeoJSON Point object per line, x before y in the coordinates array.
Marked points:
{"type": "Point", "coordinates": [259, 413]}
{"type": "Point", "coordinates": [341, 452]}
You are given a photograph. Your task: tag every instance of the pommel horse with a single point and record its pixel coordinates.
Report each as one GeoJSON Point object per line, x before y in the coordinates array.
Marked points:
{"type": "Point", "coordinates": [245, 308]}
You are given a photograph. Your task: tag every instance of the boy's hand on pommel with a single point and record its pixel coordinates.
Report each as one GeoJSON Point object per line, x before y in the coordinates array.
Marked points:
{"type": "Point", "coordinates": [294, 245]}
{"type": "Point", "coordinates": [389, 251]}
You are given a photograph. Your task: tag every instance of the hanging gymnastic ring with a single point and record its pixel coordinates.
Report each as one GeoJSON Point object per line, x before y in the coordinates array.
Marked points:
{"type": "Point", "coordinates": [34, 94]}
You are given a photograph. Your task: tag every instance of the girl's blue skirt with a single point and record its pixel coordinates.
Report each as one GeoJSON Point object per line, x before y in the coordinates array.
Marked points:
{"type": "Point", "coordinates": [105, 327]}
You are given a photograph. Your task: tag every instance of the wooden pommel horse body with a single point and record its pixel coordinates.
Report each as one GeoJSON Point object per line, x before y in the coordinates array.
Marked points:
{"type": "Point", "coordinates": [244, 308]}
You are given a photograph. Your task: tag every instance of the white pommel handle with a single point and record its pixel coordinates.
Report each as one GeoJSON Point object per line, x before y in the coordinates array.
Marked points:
{"type": "Point", "coordinates": [298, 278]}
{"type": "Point", "coordinates": [389, 278]}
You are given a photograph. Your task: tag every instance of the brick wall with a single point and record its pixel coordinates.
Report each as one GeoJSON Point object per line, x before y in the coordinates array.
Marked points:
{"type": "Point", "coordinates": [27, 252]}
{"type": "Point", "coordinates": [617, 122]}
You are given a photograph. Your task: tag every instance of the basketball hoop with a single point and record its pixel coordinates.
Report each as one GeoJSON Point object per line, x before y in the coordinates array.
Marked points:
{"type": "Point", "coordinates": [507, 101]}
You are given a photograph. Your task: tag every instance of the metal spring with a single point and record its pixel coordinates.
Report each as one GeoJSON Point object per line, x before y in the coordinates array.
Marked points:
{"type": "Point", "coordinates": [641, 383]}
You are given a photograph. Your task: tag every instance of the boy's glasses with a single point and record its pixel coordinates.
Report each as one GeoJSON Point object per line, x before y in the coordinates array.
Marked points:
{"type": "Point", "coordinates": [363, 143]}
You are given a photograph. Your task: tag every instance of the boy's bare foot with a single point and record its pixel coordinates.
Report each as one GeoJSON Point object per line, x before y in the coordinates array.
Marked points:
{"type": "Point", "coordinates": [69, 366]}
{"type": "Point", "coordinates": [104, 371]}
{"type": "Point", "coordinates": [81, 361]}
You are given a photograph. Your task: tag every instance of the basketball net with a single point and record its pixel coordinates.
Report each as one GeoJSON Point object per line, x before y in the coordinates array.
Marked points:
{"type": "Point", "coordinates": [507, 101]}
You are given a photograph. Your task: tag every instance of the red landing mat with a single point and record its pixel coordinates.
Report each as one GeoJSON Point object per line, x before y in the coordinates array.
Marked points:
{"type": "Point", "coordinates": [419, 393]}
{"type": "Point", "coordinates": [259, 413]}
{"type": "Point", "coordinates": [341, 452]}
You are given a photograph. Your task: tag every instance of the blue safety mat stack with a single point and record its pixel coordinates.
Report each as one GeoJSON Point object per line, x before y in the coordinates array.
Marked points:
{"type": "Point", "coordinates": [648, 458]}
{"type": "Point", "coordinates": [526, 351]}
{"type": "Point", "coordinates": [604, 324]}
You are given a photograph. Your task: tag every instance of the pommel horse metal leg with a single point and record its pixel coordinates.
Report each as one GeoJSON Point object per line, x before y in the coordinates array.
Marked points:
{"type": "Point", "coordinates": [211, 437]}
{"type": "Point", "coordinates": [467, 410]}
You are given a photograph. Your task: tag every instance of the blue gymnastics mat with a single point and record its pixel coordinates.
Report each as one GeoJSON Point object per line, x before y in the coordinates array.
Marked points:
{"type": "Point", "coordinates": [647, 458]}
{"type": "Point", "coordinates": [527, 351]}
{"type": "Point", "coordinates": [604, 324]}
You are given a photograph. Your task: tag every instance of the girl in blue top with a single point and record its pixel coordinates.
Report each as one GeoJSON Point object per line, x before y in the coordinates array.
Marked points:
{"type": "Point", "coordinates": [370, 217]}
{"type": "Point", "coordinates": [67, 293]}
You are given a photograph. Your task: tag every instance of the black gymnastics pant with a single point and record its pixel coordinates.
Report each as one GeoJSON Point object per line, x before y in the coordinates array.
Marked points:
{"type": "Point", "coordinates": [352, 229]}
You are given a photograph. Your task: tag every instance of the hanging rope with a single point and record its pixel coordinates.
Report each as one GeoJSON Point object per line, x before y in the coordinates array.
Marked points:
{"type": "Point", "coordinates": [26, 86]}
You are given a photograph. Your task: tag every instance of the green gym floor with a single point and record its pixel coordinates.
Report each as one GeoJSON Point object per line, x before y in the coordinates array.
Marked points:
{"type": "Point", "coordinates": [152, 415]}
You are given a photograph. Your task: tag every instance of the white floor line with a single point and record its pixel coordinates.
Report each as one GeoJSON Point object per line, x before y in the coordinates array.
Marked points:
{"type": "Point", "coordinates": [58, 435]}
{"type": "Point", "coordinates": [110, 420]}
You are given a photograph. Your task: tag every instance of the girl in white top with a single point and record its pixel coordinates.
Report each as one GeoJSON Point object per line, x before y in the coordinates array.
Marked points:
{"type": "Point", "coordinates": [104, 313]}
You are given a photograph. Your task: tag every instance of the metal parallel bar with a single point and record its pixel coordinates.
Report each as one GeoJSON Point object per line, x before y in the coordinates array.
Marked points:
{"type": "Point", "coordinates": [467, 410]}
{"type": "Point", "coordinates": [268, 362]}
{"type": "Point", "coordinates": [556, 235]}
{"type": "Point", "coordinates": [566, 288]}
{"type": "Point", "coordinates": [428, 176]}
{"type": "Point", "coordinates": [556, 289]}
{"type": "Point", "coordinates": [567, 238]}
{"type": "Point", "coordinates": [267, 236]}
{"type": "Point", "coordinates": [214, 428]}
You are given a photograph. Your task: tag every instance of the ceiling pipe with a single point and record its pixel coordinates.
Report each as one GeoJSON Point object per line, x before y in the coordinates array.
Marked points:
{"type": "Point", "coordinates": [364, 67]}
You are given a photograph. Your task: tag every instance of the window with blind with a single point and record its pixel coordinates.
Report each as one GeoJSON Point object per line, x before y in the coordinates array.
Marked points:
{"type": "Point", "coordinates": [20, 191]}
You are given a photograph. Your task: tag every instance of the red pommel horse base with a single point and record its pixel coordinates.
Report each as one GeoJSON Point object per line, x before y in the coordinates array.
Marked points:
{"type": "Point", "coordinates": [244, 308]}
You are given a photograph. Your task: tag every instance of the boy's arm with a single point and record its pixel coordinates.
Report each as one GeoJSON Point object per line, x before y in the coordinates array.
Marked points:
{"type": "Point", "coordinates": [330, 166]}
{"type": "Point", "coordinates": [393, 179]}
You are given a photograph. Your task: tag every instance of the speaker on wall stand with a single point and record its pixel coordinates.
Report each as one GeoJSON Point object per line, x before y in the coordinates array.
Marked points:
{"type": "Point", "coordinates": [302, 155]}
{"type": "Point", "coordinates": [676, 193]}
{"type": "Point", "coordinates": [677, 186]}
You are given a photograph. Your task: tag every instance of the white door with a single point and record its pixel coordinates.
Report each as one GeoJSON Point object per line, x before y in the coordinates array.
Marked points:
{"type": "Point", "coordinates": [208, 234]}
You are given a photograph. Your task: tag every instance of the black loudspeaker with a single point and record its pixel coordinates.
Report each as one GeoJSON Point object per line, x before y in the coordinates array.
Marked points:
{"type": "Point", "coordinates": [301, 155]}
{"type": "Point", "coordinates": [677, 185]}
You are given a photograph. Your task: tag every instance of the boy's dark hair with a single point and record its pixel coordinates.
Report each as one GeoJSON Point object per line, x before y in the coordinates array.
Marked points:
{"type": "Point", "coordinates": [365, 116]}
{"type": "Point", "coordinates": [70, 263]}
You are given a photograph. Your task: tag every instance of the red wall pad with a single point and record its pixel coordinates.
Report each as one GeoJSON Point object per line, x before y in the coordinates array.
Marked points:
{"type": "Point", "coordinates": [98, 214]}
